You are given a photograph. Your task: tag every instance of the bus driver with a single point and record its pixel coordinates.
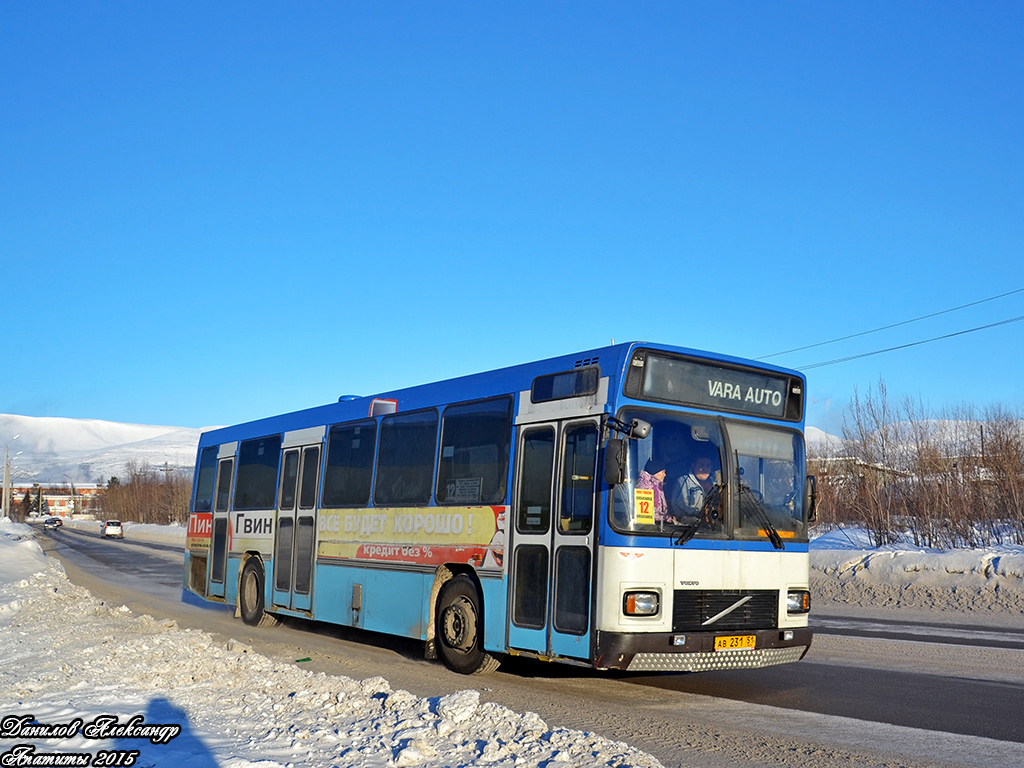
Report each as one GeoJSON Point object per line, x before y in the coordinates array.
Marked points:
{"type": "Point", "coordinates": [687, 493]}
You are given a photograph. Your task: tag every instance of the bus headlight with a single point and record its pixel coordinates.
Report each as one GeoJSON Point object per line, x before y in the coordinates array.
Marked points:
{"type": "Point", "coordinates": [640, 603]}
{"type": "Point", "coordinates": [798, 601]}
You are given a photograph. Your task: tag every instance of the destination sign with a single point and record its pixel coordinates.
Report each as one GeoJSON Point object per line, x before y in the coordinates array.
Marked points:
{"type": "Point", "coordinates": [689, 382]}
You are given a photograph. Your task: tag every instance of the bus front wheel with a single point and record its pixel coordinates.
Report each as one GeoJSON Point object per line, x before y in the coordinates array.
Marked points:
{"type": "Point", "coordinates": [459, 630]}
{"type": "Point", "coordinates": [250, 596]}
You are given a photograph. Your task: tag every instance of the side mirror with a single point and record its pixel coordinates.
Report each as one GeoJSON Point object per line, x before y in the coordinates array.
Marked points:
{"type": "Point", "coordinates": [616, 450]}
{"type": "Point", "coordinates": [639, 429]}
{"type": "Point", "coordinates": [811, 498]}
{"type": "Point", "coordinates": [615, 461]}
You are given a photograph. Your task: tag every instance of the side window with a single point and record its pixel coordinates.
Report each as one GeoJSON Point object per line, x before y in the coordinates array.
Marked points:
{"type": "Point", "coordinates": [475, 446]}
{"type": "Point", "coordinates": [310, 465]}
{"type": "Point", "coordinates": [224, 485]}
{"type": "Point", "coordinates": [256, 485]}
{"type": "Point", "coordinates": [572, 589]}
{"type": "Point", "coordinates": [405, 461]}
{"type": "Point", "coordinates": [533, 510]}
{"type": "Point", "coordinates": [530, 597]}
{"type": "Point", "coordinates": [579, 478]}
{"type": "Point", "coordinates": [207, 477]}
{"type": "Point", "coordinates": [349, 470]}
{"type": "Point", "coordinates": [560, 386]}
{"type": "Point", "coordinates": [218, 568]}
{"type": "Point", "coordinates": [289, 476]}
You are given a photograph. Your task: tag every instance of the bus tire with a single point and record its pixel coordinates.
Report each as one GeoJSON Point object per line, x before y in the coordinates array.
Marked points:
{"type": "Point", "coordinates": [459, 630]}
{"type": "Point", "coordinates": [251, 603]}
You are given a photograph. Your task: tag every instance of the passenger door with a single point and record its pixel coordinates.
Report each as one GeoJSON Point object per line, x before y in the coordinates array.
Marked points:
{"type": "Point", "coordinates": [221, 537]}
{"type": "Point", "coordinates": [553, 538]}
{"type": "Point", "coordinates": [295, 528]}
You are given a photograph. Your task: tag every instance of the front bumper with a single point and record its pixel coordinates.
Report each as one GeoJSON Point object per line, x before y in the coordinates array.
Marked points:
{"type": "Point", "coordinates": [696, 652]}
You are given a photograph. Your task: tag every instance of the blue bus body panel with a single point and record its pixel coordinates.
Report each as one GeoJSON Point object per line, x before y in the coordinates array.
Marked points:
{"type": "Point", "coordinates": [391, 601]}
{"type": "Point", "coordinates": [528, 639]}
{"type": "Point", "coordinates": [611, 538]}
{"type": "Point", "coordinates": [188, 597]}
{"type": "Point", "coordinates": [494, 592]}
{"type": "Point", "coordinates": [231, 580]}
{"type": "Point", "coordinates": [396, 602]}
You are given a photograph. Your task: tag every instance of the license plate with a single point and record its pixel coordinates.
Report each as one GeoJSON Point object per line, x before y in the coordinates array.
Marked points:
{"type": "Point", "coordinates": [735, 641]}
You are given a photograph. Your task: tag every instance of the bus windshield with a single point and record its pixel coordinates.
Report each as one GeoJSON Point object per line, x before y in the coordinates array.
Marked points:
{"type": "Point", "coordinates": [770, 467]}
{"type": "Point", "coordinates": [703, 477]}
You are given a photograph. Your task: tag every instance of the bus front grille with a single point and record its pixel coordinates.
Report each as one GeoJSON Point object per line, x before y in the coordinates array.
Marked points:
{"type": "Point", "coordinates": [693, 610]}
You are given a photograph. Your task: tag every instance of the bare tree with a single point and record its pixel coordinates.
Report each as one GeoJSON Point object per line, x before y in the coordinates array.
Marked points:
{"type": "Point", "coordinates": [871, 434]}
{"type": "Point", "coordinates": [146, 495]}
{"type": "Point", "coordinates": [1002, 462]}
{"type": "Point", "coordinates": [956, 480]}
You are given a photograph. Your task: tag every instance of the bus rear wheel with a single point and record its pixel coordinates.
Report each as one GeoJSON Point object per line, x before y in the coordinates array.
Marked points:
{"type": "Point", "coordinates": [251, 602]}
{"type": "Point", "coordinates": [459, 629]}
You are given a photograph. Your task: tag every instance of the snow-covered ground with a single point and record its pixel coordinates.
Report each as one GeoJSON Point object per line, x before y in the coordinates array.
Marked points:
{"type": "Point", "coordinates": [985, 585]}
{"type": "Point", "coordinates": [67, 658]}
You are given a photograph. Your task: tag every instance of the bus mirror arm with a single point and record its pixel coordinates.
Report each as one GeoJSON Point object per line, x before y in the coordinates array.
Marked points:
{"type": "Point", "coordinates": [637, 429]}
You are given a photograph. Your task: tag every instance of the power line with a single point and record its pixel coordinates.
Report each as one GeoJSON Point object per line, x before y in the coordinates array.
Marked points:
{"type": "Point", "coordinates": [896, 325]}
{"type": "Point", "coordinates": [911, 344]}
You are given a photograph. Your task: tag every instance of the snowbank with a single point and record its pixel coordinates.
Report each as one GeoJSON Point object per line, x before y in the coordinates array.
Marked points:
{"type": "Point", "coordinates": [22, 555]}
{"type": "Point", "coordinates": [846, 569]}
{"type": "Point", "coordinates": [66, 656]}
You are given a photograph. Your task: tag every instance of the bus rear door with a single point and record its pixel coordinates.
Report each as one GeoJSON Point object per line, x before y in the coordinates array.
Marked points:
{"type": "Point", "coordinates": [295, 528]}
{"type": "Point", "coordinates": [553, 539]}
{"type": "Point", "coordinates": [221, 523]}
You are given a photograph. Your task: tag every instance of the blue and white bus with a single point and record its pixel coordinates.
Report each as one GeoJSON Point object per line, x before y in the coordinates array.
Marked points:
{"type": "Point", "coordinates": [635, 507]}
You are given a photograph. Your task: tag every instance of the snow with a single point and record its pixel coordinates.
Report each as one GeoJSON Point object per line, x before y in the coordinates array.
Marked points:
{"type": "Point", "coordinates": [820, 441]}
{"type": "Point", "coordinates": [67, 657]}
{"type": "Point", "coordinates": [58, 450]}
{"type": "Point", "coordinates": [985, 583]}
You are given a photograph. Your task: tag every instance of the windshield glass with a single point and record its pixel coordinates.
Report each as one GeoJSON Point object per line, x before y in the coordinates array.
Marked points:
{"type": "Point", "coordinates": [673, 476]}
{"type": "Point", "coordinates": [681, 480]}
{"type": "Point", "coordinates": [772, 468]}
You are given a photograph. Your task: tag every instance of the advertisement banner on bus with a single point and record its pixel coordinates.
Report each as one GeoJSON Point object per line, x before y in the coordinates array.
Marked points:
{"type": "Point", "coordinates": [423, 536]}
{"type": "Point", "coordinates": [200, 525]}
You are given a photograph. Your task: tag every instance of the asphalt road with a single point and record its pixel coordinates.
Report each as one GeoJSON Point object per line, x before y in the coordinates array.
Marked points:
{"type": "Point", "coordinates": [852, 699]}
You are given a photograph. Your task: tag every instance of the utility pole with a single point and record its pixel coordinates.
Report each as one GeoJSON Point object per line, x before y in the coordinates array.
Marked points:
{"type": "Point", "coordinates": [7, 481]}
{"type": "Point", "coordinates": [7, 477]}
{"type": "Point", "coordinates": [71, 515]}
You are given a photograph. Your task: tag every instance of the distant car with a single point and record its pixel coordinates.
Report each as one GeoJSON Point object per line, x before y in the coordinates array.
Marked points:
{"type": "Point", "coordinates": [112, 529]}
{"type": "Point", "coordinates": [52, 523]}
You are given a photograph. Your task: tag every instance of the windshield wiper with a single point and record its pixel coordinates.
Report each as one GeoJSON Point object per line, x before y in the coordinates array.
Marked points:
{"type": "Point", "coordinates": [708, 515]}
{"type": "Point", "coordinates": [761, 515]}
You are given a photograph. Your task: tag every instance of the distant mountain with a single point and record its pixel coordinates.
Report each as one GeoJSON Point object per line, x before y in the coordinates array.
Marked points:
{"type": "Point", "coordinates": [56, 450]}
{"type": "Point", "coordinates": [821, 442]}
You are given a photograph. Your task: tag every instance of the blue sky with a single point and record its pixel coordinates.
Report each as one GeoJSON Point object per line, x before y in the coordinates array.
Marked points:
{"type": "Point", "coordinates": [213, 212]}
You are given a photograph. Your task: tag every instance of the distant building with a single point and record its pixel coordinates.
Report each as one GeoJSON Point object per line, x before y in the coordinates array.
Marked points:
{"type": "Point", "coordinates": [85, 500]}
